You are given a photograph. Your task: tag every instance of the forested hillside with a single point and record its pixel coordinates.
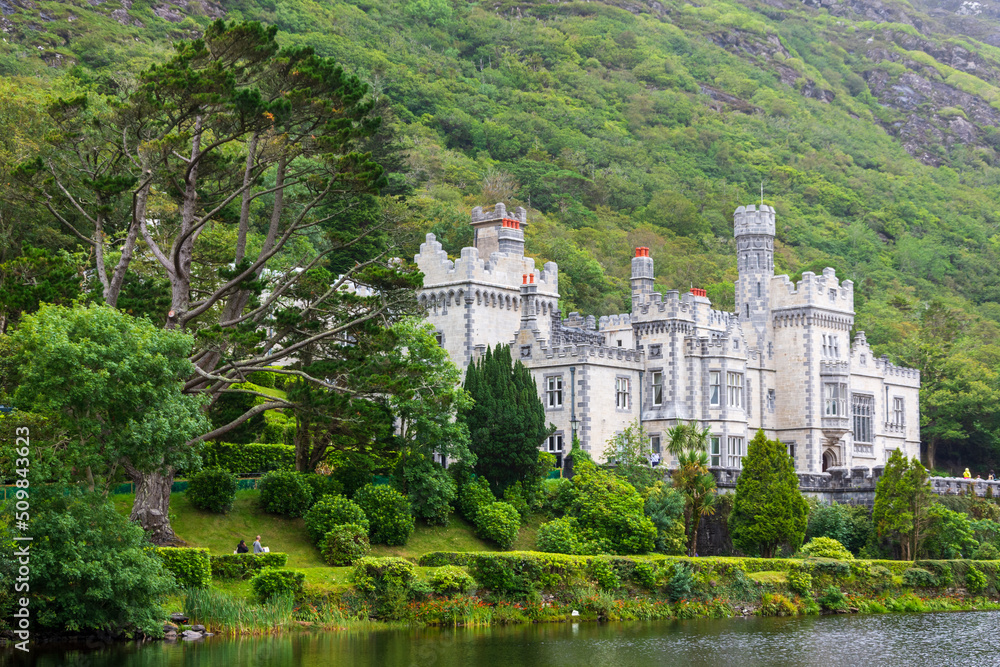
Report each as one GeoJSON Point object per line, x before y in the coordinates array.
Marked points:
{"type": "Point", "coordinates": [873, 126]}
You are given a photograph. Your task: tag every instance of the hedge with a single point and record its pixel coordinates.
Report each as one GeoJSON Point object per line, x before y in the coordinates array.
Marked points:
{"type": "Point", "coordinates": [439, 558]}
{"type": "Point", "coordinates": [270, 582]}
{"type": "Point", "coordinates": [248, 459]}
{"type": "Point", "coordinates": [244, 566]}
{"type": "Point", "coordinates": [190, 566]}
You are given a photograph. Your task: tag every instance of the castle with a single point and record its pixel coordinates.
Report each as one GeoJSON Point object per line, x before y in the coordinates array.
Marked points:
{"type": "Point", "coordinates": [783, 361]}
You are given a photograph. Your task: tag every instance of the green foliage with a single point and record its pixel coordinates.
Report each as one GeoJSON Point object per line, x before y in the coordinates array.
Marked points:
{"type": "Point", "coordinates": [91, 568]}
{"type": "Point", "coordinates": [800, 582]}
{"type": "Point", "coordinates": [389, 515]}
{"type": "Point", "coordinates": [285, 492]}
{"type": "Point", "coordinates": [986, 551]}
{"type": "Point", "coordinates": [826, 547]}
{"type": "Point", "coordinates": [948, 534]}
{"type": "Point", "coordinates": [692, 477]}
{"type": "Point", "coordinates": [377, 575]}
{"type": "Point", "coordinates": [345, 544]}
{"type": "Point", "coordinates": [902, 502]}
{"type": "Point", "coordinates": [629, 452]}
{"type": "Point", "coordinates": [561, 536]}
{"type": "Point", "coordinates": [610, 513]}
{"type": "Point", "coordinates": [272, 582]}
{"type": "Point", "coordinates": [975, 581]}
{"type": "Point", "coordinates": [648, 575]}
{"type": "Point", "coordinates": [247, 459]}
{"type": "Point", "coordinates": [473, 495]}
{"type": "Point", "coordinates": [506, 420]}
{"type": "Point", "coordinates": [322, 485]}
{"type": "Point", "coordinates": [601, 571]}
{"type": "Point", "coordinates": [332, 511]}
{"type": "Point", "coordinates": [244, 566]}
{"type": "Point", "coordinates": [664, 506]}
{"type": "Point", "coordinates": [681, 584]}
{"type": "Point", "coordinates": [498, 522]}
{"type": "Point", "coordinates": [832, 598]}
{"type": "Point", "coordinates": [919, 578]}
{"type": "Point", "coordinates": [431, 490]}
{"type": "Point", "coordinates": [191, 567]}
{"type": "Point", "coordinates": [776, 604]}
{"type": "Point", "coordinates": [212, 490]}
{"type": "Point", "coordinates": [848, 524]}
{"type": "Point", "coordinates": [514, 496]}
{"type": "Point", "coordinates": [768, 509]}
{"type": "Point", "coordinates": [451, 580]}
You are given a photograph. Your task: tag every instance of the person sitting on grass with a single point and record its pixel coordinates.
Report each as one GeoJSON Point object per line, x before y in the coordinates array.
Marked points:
{"type": "Point", "coordinates": [242, 547]}
{"type": "Point", "coordinates": [257, 549]}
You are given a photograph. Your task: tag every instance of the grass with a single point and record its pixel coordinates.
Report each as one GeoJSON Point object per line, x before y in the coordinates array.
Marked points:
{"type": "Point", "coordinates": [769, 577]}
{"type": "Point", "coordinates": [220, 533]}
{"type": "Point", "coordinates": [224, 613]}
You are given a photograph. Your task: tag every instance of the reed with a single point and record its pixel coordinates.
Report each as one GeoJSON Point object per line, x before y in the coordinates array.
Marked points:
{"type": "Point", "coordinates": [226, 614]}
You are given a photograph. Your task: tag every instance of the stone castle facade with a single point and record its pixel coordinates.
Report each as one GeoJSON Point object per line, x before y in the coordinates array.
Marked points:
{"type": "Point", "coordinates": [783, 362]}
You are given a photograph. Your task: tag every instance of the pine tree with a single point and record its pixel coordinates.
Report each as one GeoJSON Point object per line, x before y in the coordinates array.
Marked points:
{"type": "Point", "coordinates": [507, 420]}
{"type": "Point", "coordinates": [768, 509]}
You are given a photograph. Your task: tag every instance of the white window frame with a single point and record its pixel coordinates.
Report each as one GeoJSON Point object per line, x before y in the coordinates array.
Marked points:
{"type": "Point", "coordinates": [553, 392]}
{"type": "Point", "coordinates": [656, 380]}
{"type": "Point", "coordinates": [715, 388]}
{"type": "Point", "coordinates": [715, 450]}
{"type": "Point", "coordinates": [734, 389]}
{"type": "Point", "coordinates": [736, 451]}
{"type": "Point", "coordinates": [898, 410]}
{"type": "Point", "coordinates": [623, 393]}
{"type": "Point", "coordinates": [834, 399]}
{"type": "Point", "coordinates": [654, 444]}
{"type": "Point", "coordinates": [863, 418]}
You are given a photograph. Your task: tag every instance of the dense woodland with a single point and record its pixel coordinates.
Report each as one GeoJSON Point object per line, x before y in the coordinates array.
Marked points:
{"type": "Point", "coordinates": [873, 127]}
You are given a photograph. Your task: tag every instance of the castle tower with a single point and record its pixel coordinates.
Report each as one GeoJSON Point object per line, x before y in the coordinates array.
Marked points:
{"type": "Point", "coordinates": [642, 275]}
{"type": "Point", "coordinates": [499, 231]}
{"type": "Point", "coordinates": [754, 231]}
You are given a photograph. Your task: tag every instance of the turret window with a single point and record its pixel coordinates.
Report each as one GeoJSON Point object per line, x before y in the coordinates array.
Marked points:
{"type": "Point", "coordinates": [835, 394]}
{"type": "Point", "coordinates": [758, 291]}
{"type": "Point", "coordinates": [734, 389]}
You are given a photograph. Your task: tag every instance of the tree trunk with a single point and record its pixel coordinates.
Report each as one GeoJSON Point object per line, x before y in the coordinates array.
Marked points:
{"type": "Point", "coordinates": [931, 453]}
{"type": "Point", "coordinates": [151, 508]}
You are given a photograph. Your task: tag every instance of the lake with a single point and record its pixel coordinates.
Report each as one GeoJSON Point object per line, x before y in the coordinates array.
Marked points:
{"type": "Point", "coordinates": [969, 638]}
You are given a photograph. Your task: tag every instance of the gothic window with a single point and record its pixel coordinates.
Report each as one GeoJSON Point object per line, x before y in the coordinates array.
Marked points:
{"type": "Point", "coordinates": [553, 391]}
{"type": "Point", "coordinates": [897, 410]}
{"type": "Point", "coordinates": [836, 346]}
{"type": "Point", "coordinates": [735, 452]}
{"type": "Point", "coordinates": [657, 378]}
{"type": "Point", "coordinates": [714, 387]}
{"type": "Point", "coordinates": [825, 354]}
{"type": "Point", "coordinates": [716, 450]}
{"type": "Point", "coordinates": [734, 389]}
{"type": "Point", "coordinates": [862, 408]}
{"type": "Point", "coordinates": [835, 394]}
{"type": "Point", "coordinates": [791, 450]}
{"type": "Point", "coordinates": [622, 395]}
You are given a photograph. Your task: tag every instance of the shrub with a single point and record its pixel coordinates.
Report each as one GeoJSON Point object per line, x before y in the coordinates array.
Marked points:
{"type": "Point", "coordinates": [191, 567]}
{"type": "Point", "coordinates": [776, 604]}
{"type": "Point", "coordinates": [600, 570]}
{"type": "Point", "coordinates": [323, 485]}
{"type": "Point", "coordinates": [833, 599]}
{"type": "Point", "coordinates": [451, 580]}
{"type": "Point", "coordinates": [975, 581]}
{"type": "Point", "coordinates": [439, 558]}
{"type": "Point", "coordinates": [248, 459]}
{"type": "Point", "coordinates": [560, 536]}
{"type": "Point", "coordinates": [986, 551]}
{"type": "Point", "coordinates": [389, 515]}
{"type": "Point", "coordinates": [285, 493]}
{"type": "Point", "coordinates": [473, 495]}
{"type": "Point", "coordinates": [212, 490]}
{"type": "Point", "coordinates": [800, 582]}
{"type": "Point", "coordinates": [430, 489]}
{"type": "Point", "coordinates": [332, 511]}
{"type": "Point", "coordinates": [244, 566]}
{"type": "Point", "coordinates": [514, 496]}
{"type": "Point", "coordinates": [681, 583]}
{"type": "Point", "coordinates": [498, 522]}
{"type": "Point", "coordinates": [919, 578]}
{"type": "Point", "coordinates": [826, 547]}
{"type": "Point", "coordinates": [262, 378]}
{"type": "Point", "coordinates": [271, 582]}
{"type": "Point", "coordinates": [828, 566]}
{"type": "Point", "coordinates": [610, 513]}
{"type": "Point", "coordinates": [345, 544]}
{"type": "Point", "coordinates": [648, 575]}
{"type": "Point", "coordinates": [376, 575]}
{"type": "Point", "coordinates": [664, 505]}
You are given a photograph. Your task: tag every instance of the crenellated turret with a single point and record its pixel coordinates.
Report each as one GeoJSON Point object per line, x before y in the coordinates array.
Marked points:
{"type": "Point", "coordinates": [754, 231]}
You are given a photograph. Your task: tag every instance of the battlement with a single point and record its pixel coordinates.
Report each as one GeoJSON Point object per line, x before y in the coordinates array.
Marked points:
{"type": "Point", "coordinates": [753, 220]}
{"type": "Point", "coordinates": [622, 354]}
{"type": "Point", "coordinates": [615, 322]}
{"type": "Point", "coordinates": [908, 376]}
{"type": "Point", "coordinates": [822, 291]}
{"type": "Point", "coordinates": [500, 270]}
{"type": "Point", "coordinates": [499, 212]}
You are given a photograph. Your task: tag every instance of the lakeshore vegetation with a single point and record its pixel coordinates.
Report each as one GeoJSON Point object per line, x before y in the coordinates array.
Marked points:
{"type": "Point", "coordinates": [199, 281]}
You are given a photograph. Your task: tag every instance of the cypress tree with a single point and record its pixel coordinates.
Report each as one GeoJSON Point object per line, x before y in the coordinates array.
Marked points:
{"type": "Point", "coordinates": [507, 420]}
{"type": "Point", "coordinates": [768, 509]}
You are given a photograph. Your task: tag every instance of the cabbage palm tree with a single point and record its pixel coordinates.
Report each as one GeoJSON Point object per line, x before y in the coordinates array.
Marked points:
{"type": "Point", "coordinates": [692, 478]}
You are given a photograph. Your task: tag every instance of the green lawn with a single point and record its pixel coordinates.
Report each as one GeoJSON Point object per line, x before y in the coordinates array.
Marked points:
{"type": "Point", "coordinates": [221, 532]}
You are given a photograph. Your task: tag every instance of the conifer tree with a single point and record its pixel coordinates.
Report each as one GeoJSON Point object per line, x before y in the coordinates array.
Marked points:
{"type": "Point", "coordinates": [902, 500]}
{"type": "Point", "coordinates": [768, 509]}
{"type": "Point", "coordinates": [506, 422]}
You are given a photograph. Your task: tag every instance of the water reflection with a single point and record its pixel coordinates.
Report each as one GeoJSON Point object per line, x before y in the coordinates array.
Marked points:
{"type": "Point", "coordinates": [895, 639]}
